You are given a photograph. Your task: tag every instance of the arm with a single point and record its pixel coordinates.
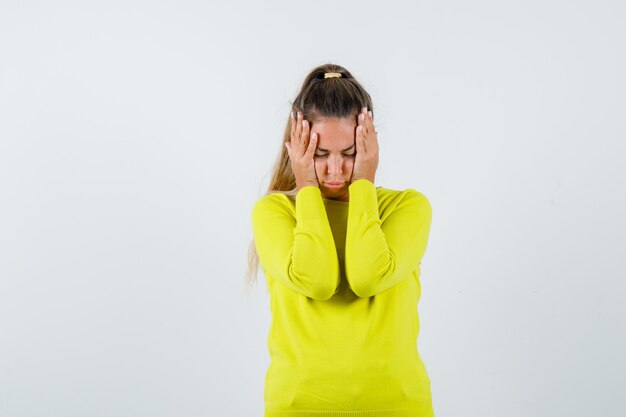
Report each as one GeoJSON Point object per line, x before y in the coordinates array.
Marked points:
{"type": "Point", "coordinates": [380, 254]}
{"type": "Point", "coordinates": [298, 252]}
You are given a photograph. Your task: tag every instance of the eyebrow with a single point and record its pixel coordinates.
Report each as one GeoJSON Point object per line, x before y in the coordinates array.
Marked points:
{"type": "Point", "coordinates": [346, 149]}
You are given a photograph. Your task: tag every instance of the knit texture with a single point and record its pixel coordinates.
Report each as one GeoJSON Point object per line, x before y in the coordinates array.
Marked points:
{"type": "Point", "coordinates": [344, 284]}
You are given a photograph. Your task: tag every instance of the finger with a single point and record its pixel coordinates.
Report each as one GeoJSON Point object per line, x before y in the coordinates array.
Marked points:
{"type": "Point", "coordinates": [369, 123]}
{"type": "Point", "coordinates": [364, 125]}
{"type": "Point", "coordinates": [304, 136]}
{"type": "Point", "coordinates": [368, 119]}
{"type": "Point", "coordinates": [312, 145]}
{"type": "Point", "coordinates": [293, 123]}
{"type": "Point", "coordinates": [373, 133]}
{"type": "Point", "coordinates": [360, 118]}
{"type": "Point", "coordinates": [296, 137]}
{"type": "Point", "coordinates": [296, 142]}
{"type": "Point", "coordinates": [360, 140]}
{"type": "Point", "coordinates": [288, 146]}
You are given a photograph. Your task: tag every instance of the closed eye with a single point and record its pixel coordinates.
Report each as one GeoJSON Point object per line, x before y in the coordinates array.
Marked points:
{"type": "Point", "coordinates": [349, 155]}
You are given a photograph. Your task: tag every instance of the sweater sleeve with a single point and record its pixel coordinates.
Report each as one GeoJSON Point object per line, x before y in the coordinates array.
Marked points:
{"type": "Point", "coordinates": [298, 252]}
{"type": "Point", "coordinates": [380, 254]}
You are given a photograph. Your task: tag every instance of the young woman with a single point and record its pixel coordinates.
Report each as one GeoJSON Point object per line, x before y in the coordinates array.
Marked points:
{"type": "Point", "coordinates": [341, 258]}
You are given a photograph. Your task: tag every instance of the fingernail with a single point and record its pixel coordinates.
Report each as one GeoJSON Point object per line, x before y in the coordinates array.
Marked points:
{"type": "Point", "coordinates": [370, 113]}
{"type": "Point", "coordinates": [304, 123]}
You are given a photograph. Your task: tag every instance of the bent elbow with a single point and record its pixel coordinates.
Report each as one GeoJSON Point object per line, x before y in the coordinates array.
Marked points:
{"type": "Point", "coordinates": [326, 292]}
{"type": "Point", "coordinates": [321, 286]}
{"type": "Point", "coordinates": [322, 294]}
{"type": "Point", "coordinates": [363, 291]}
{"type": "Point", "coordinates": [369, 281]}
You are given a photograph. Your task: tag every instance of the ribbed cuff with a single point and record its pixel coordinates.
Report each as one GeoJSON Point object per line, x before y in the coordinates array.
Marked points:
{"type": "Point", "coordinates": [363, 198]}
{"type": "Point", "coordinates": [309, 203]}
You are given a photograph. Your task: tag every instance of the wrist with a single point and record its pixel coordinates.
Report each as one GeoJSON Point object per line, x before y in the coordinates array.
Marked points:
{"type": "Point", "coordinates": [300, 185]}
{"type": "Point", "coordinates": [370, 179]}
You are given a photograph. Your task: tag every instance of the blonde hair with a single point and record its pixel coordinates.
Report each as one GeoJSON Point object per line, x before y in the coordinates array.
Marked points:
{"type": "Point", "coordinates": [320, 97]}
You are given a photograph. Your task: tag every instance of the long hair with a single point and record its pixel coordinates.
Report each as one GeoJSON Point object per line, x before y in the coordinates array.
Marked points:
{"type": "Point", "coordinates": [319, 97]}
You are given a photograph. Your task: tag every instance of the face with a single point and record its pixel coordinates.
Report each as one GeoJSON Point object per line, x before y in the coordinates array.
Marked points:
{"type": "Point", "coordinates": [335, 155]}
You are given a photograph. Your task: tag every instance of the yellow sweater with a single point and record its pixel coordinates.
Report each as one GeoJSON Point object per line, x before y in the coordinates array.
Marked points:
{"type": "Point", "coordinates": [343, 279]}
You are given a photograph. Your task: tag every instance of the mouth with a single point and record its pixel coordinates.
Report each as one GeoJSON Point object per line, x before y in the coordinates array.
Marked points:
{"type": "Point", "coordinates": [334, 184]}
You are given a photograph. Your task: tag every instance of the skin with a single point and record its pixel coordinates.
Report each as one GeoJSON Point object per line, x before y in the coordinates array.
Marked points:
{"type": "Point", "coordinates": [335, 154]}
{"type": "Point", "coordinates": [339, 150]}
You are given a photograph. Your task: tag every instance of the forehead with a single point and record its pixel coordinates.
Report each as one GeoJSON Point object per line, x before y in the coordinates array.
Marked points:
{"type": "Point", "coordinates": [335, 133]}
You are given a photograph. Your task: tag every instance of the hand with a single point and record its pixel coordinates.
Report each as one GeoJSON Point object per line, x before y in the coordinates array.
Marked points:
{"type": "Point", "coordinates": [301, 152]}
{"type": "Point", "coordinates": [366, 161]}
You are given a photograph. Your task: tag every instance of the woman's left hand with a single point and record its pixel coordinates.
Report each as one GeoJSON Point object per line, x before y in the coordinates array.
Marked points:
{"type": "Point", "coordinates": [366, 161]}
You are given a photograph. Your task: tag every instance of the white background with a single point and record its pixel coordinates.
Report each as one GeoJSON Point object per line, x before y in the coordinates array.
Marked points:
{"type": "Point", "coordinates": [135, 137]}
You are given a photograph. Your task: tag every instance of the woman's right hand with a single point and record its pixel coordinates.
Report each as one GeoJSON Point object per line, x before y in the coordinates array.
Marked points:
{"type": "Point", "coordinates": [301, 151]}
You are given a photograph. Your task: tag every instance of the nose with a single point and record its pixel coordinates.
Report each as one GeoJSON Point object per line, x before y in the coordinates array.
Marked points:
{"type": "Point", "coordinates": [335, 163]}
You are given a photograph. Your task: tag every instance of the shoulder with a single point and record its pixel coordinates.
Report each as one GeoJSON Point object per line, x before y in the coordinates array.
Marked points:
{"type": "Point", "coordinates": [273, 202]}
{"type": "Point", "coordinates": [405, 198]}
